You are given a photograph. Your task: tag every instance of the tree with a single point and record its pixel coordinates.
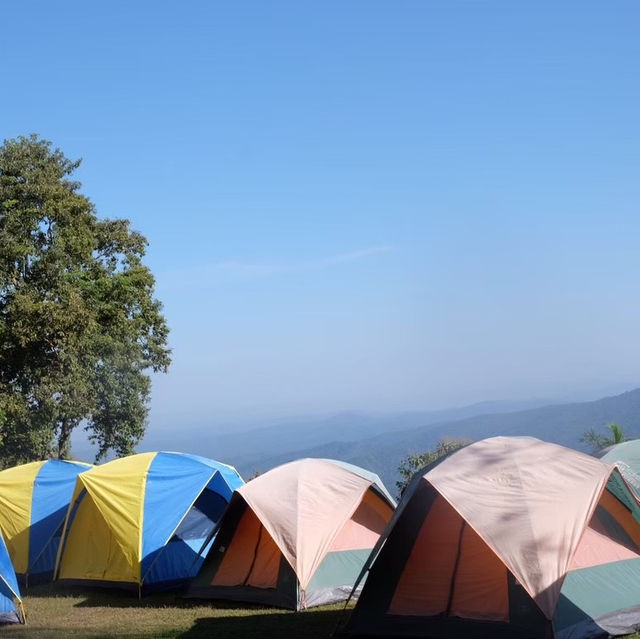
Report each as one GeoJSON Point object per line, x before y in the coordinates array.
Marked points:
{"type": "Point", "coordinates": [80, 329]}
{"type": "Point", "coordinates": [413, 463]}
{"type": "Point", "coordinates": [598, 441]}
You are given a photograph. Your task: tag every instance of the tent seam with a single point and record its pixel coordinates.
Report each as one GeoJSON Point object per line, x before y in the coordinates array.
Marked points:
{"type": "Point", "coordinates": [141, 517]}
{"type": "Point", "coordinates": [33, 487]}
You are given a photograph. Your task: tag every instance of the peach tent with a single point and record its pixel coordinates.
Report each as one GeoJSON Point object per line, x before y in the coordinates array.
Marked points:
{"type": "Point", "coordinates": [508, 537]}
{"type": "Point", "coordinates": [296, 536]}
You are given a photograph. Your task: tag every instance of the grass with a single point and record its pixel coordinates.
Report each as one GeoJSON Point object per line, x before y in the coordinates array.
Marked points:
{"type": "Point", "coordinates": [54, 613]}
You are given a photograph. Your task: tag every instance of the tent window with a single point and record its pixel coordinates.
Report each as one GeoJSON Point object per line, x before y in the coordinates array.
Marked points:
{"type": "Point", "coordinates": [612, 535]}
{"type": "Point", "coordinates": [202, 518]}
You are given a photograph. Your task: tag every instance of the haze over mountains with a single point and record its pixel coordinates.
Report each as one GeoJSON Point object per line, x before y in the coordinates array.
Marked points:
{"type": "Point", "coordinates": [380, 442]}
{"type": "Point", "coordinates": [383, 451]}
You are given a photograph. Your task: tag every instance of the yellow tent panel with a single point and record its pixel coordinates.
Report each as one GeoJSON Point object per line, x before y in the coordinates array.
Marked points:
{"type": "Point", "coordinates": [16, 490]}
{"type": "Point", "coordinates": [111, 550]}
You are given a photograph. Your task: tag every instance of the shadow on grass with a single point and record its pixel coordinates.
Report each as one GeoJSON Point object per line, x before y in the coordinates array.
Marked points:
{"type": "Point", "coordinates": [99, 597]}
{"type": "Point", "coordinates": [311, 624]}
{"type": "Point", "coordinates": [222, 620]}
{"type": "Point", "coordinates": [114, 599]}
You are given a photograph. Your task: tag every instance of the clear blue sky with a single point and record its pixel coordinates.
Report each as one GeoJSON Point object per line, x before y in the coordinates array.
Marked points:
{"type": "Point", "coordinates": [366, 205]}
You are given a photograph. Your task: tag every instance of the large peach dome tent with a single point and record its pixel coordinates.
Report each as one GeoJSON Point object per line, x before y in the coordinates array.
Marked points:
{"type": "Point", "coordinates": [508, 537]}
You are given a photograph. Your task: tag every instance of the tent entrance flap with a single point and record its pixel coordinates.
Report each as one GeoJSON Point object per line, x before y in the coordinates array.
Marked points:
{"type": "Point", "coordinates": [463, 579]}
{"type": "Point", "coordinates": [252, 558]}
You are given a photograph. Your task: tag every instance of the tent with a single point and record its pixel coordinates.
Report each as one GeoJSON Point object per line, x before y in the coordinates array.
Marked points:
{"type": "Point", "coordinates": [626, 456]}
{"type": "Point", "coordinates": [33, 504]}
{"type": "Point", "coordinates": [11, 610]}
{"type": "Point", "coordinates": [507, 537]}
{"type": "Point", "coordinates": [296, 536]}
{"type": "Point", "coordinates": [140, 521]}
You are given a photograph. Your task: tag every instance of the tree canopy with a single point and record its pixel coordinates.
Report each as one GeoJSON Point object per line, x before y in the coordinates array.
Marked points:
{"type": "Point", "coordinates": [598, 441]}
{"type": "Point", "coordinates": [80, 328]}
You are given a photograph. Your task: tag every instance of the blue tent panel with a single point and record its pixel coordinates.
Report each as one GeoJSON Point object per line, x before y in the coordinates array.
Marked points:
{"type": "Point", "coordinates": [226, 481]}
{"type": "Point", "coordinates": [10, 605]}
{"type": "Point", "coordinates": [185, 497]}
{"type": "Point", "coordinates": [52, 492]}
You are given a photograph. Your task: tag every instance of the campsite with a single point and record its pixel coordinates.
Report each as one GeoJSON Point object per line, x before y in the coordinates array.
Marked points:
{"type": "Point", "coordinates": [319, 319]}
{"type": "Point", "coordinates": [508, 536]}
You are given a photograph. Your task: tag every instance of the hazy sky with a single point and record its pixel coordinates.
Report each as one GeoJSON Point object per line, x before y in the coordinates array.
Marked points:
{"type": "Point", "coordinates": [367, 205]}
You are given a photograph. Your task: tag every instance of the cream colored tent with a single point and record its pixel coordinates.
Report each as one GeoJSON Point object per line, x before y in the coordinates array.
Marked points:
{"type": "Point", "coordinates": [296, 536]}
{"type": "Point", "coordinates": [508, 537]}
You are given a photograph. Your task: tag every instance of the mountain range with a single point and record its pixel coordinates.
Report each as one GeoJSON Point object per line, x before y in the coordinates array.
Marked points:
{"type": "Point", "coordinates": [379, 443]}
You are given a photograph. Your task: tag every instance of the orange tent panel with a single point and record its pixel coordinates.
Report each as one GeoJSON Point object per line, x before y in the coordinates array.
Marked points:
{"type": "Point", "coordinates": [438, 578]}
{"type": "Point", "coordinates": [252, 558]}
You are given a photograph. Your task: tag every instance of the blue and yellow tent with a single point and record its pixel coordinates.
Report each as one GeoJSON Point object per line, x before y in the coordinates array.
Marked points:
{"type": "Point", "coordinates": [11, 610]}
{"type": "Point", "coordinates": [34, 499]}
{"type": "Point", "coordinates": [140, 521]}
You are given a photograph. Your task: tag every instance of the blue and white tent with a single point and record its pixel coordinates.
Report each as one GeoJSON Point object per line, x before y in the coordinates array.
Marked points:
{"type": "Point", "coordinates": [11, 610]}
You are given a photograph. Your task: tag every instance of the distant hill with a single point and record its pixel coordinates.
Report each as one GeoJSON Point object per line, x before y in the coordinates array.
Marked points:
{"type": "Point", "coordinates": [243, 446]}
{"type": "Point", "coordinates": [380, 442]}
{"type": "Point", "coordinates": [240, 445]}
{"type": "Point", "coordinates": [382, 452]}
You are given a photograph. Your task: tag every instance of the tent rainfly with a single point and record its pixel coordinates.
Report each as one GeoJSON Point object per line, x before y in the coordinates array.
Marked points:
{"type": "Point", "coordinates": [139, 521]}
{"type": "Point", "coordinates": [11, 610]}
{"type": "Point", "coordinates": [626, 456]}
{"type": "Point", "coordinates": [508, 537]}
{"type": "Point", "coordinates": [296, 536]}
{"type": "Point", "coordinates": [34, 499]}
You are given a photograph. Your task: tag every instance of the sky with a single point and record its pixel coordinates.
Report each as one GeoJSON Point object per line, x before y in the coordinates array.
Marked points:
{"type": "Point", "coordinates": [356, 205]}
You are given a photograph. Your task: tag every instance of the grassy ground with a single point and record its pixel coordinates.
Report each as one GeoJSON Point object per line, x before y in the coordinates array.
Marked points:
{"type": "Point", "coordinates": [94, 614]}
{"type": "Point", "coordinates": [54, 613]}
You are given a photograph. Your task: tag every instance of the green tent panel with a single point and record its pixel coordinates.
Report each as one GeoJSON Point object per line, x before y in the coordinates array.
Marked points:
{"type": "Point", "coordinates": [626, 456]}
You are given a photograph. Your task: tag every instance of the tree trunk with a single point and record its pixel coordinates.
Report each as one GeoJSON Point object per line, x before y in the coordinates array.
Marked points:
{"type": "Point", "coordinates": [64, 439]}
